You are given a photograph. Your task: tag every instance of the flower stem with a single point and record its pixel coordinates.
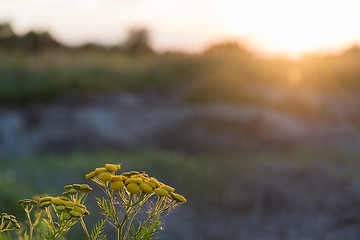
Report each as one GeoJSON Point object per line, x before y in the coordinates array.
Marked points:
{"type": "Point", "coordinates": [84, 227]}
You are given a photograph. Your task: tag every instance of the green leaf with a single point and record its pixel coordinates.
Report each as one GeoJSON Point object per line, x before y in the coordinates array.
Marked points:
{"type": "Point", "coordinates": [98, 231]}
{"type": "Point", "coordinates": [102, 203]}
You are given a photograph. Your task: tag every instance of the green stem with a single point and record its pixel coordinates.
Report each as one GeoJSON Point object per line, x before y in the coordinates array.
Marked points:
{"type": "Point", "coordinates": [31, 225]}
{"type": "Point", "coordinates": [2, 224]}
{"type": "Point", "coordinates": [7, 228]}
{"type": "Point", "coordinates": [134, 214]}
{"type": "Point", "coordinates": [61, 229]}
{"type": "Point", "coordinates": [115, 218]}
{"type": "Point", "coordinates": [49, 216]}
{"type": "Point", "coordinates": [84, 227]}
{"type": "Point", "coordinates": [121, 196]}
{"type": "Point", "coordinates": [126, 216]}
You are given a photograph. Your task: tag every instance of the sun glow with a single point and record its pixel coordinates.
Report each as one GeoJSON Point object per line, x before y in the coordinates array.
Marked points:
{"type": "Point", "coordinates": [296, 27]}
{"type": "Point", "coordinates": [287, 27]}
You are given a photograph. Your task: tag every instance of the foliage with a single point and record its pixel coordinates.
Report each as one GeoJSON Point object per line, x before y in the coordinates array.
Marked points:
{"type": "Point", "coordinates": [34, 69]}
{"type": "Point", "coordinates": [126, 195]}
{"type": "Point", "coordinates": [133, 191]}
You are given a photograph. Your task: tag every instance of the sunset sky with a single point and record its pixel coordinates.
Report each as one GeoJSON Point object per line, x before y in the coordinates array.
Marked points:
{"type": "Point", "coordinates": [291, 27]}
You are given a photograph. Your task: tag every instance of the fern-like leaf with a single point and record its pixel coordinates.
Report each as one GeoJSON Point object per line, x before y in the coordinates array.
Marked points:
{"type": "Point", "coordinates": [104, 206]}
{"type": "Point", "coordinates": [148, 232]}
{"type": "Point", "coordinates": [97, 233]}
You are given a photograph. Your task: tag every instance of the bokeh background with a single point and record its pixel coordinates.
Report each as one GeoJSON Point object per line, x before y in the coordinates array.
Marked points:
{"type": "Point", "coordinates": [249, 109]}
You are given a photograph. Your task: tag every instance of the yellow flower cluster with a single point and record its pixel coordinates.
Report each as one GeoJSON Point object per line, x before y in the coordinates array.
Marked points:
{"type": "Point", "coordinates": [63, 205]}
{"type": "Point", "coordinates": [10, 219]}
{"type": "Point", "coordinates": [75, 188]}
{"type": "Point", "coordinates": [27, 202]}
{"type": "Point", "coordinates": [134, 182]}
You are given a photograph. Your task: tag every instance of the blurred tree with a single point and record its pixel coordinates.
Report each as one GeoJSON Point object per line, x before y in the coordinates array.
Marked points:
{"type": "Point", "coordinates": [138, 42]}
{"type": "Point", "coordinates": [35, 42]}
{"type": "Point", "coordinates": [6, 30]}
{"type": "Point", "coordinates": [228, 47]}
{"type": "Point", "coordinates": [8, 39]}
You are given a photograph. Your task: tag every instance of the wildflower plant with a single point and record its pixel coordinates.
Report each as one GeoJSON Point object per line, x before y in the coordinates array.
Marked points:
{"type": "Point", "coordinates": [8, 223]}
{"type": "Point", "coordinates": [133, 205]}
{"type": "Point", "coordinates": [132, 192]}
{"type": "Point", "coordinates": [56, 215]}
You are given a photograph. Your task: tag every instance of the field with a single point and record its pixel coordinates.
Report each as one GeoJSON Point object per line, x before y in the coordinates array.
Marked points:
{"type": "Point", "coordinates": [278, 195]}
{"type": "Point", "coordinates": [263, 148]}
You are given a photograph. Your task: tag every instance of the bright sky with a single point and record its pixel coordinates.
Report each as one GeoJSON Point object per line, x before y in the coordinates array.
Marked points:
{"type": "Point", "coordinates": [289, 27]}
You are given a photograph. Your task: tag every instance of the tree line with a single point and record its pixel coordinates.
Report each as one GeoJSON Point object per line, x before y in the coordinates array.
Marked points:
{"type": "Point", "coordinates": [137, 42]}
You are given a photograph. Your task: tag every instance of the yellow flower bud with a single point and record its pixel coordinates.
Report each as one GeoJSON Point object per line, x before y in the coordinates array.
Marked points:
{"type": "Point", "coordinates": [112, 167]}
{"type": "Point", "coordinates": [161, 192]}
{"type": "Point", "coordinates": [178, 197]}
{"type": "Point", "coordinates": [57, 201]}
{"type": "Point", "coordinates": [117, 185]}
{"type": "Point", "coordinates": [135, 176]}
{"type": "Point", "coordinates": [66, 216]}
{"type": "Point", "coordinates": [152, 184]}
{"type": "Point", "coordinates": [105, 176]}
{"type": "Point", "coordinates": [91, 175]}
{"type": "Point", "coordinates": [155, 181]}
{"type": "Point", "coordinates": [100, 170]}
{"type": "Point", "coordinates": [144, 175]}
{"type": "Point", "coordinates": [68, 187]}
{"type": "Point", "coordinates": [60, 208]}
{"type": "Point", "coordinates": [17, 225]}
{"type": "Point", "coordinates": [146, 188]}
{"type": "Point", "coordinates": [64, 198]}
{"type": "Point", "coordinates": [116, 178]}
{"type": "Point", "coordinates": [69, 204]}
{"type": "Point", "coordinates": [75, 213]}
{"type": "Point", "coordinates": [72, 191]}
{"type": "Point", "coordinates": [46, 203]}
{"type": "Point", "coordinates": [85, 187]}
{"type": "Point", "coordinates": [77, 186]}
{"type": "Point", "coordinates": [133, 180]}
{"type": "Point", "coordinates": [43, 199]}
{"type": "Point", "coordinates": [126, 174]}
{"type": "Point", "coordinates": [79, 205]}
{"type": "Point", "coordinates": [167, 188]}
{"type": "Point", "coordinates": [79, 210]}
{"type": "Point", "coordinates": [133, 188]}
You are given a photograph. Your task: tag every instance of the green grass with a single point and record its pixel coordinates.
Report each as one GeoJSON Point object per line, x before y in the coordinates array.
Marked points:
{"type": "Point", "coordinates": [221, 76]}
{"type": "Point", "coordinates": [34, 78]}
{"type": "Point", "coordinates": [193, 175]}
{"type": "Point", "coordinates": [221, 181]}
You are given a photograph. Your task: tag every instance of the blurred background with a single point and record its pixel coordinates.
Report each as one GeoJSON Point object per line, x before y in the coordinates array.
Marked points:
{"type": "Point", "coordinates": [249, 109]}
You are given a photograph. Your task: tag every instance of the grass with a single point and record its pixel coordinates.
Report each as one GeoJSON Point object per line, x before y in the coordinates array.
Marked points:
{"type": "Point", "coordinates": [28, 78]}
{"type": "Point", "coordinates": [206, 77]}
{"type": "Point", "coordinates": [239, 182]}
{"type": "Point", "coordinates": [194, 175]}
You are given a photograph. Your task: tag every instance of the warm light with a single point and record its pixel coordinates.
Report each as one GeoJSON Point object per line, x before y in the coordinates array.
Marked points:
{"type": "Point", "coordinates": [296, 27]}
{"type": "Point", "coordinates": [294, 75]}
{"type": "Point", "coordinates": [288, 27]}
